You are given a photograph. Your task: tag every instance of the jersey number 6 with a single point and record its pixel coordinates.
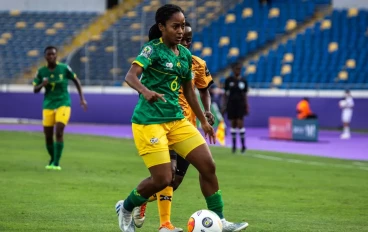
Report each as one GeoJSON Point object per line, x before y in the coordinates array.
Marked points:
{"type": "Point", "coordinates": [174, 84]}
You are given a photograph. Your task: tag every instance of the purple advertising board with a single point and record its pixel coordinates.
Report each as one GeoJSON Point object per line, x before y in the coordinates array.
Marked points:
{"type": "Point", "coordinates": [118, 108]}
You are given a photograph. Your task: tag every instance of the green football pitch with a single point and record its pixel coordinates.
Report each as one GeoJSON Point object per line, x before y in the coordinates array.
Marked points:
{"type": "Point", "coordinates": [271, 191]}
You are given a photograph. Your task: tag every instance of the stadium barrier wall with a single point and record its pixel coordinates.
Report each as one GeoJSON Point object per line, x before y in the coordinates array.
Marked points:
{"type": "Point", "coordinates": [114, 105]}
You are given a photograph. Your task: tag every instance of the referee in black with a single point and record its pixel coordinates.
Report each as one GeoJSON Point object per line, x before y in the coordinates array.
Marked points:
{"type": "Point", "coordinates": [235, 104]}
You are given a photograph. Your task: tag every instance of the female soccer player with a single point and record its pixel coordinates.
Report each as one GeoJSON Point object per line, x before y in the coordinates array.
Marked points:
{"type": "Point", "coordinates": [56, 104]}
{"type": "Point", "coordinates": [158, 122]}
{"type": "Point", "coordinates": [201, 80]}
{"type": "Point", "coordinates": [236, 104]}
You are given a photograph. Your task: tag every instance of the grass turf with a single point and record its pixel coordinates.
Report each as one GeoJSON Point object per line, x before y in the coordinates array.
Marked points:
{"type": "Point", "coordinates": [272, 194]}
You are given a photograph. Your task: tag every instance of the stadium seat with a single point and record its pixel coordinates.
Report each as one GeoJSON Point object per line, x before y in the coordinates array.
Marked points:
{"type": "Point", "coordinates": [59, 25]}
{"type": "Point", "coordinates": [274, 13]}
{"type": "Point", "coordinates": [135, 26]}
{"type": "Point", "coordinates": [343, 75]}
{"type": "Point", "coordinates": [333, 47]}
{"type": "Point", "coordinates": [39, 25]}
{"type": "Point", "coordinates": [252, 35]}
{"type": "Point", "coordinates": [197, 46]}
{"type": "Point", "coordinates": [290, 25]}
{"type": "Point", "coordinates": [326, 24]}
{"type": "Point", "coordinates": [351, 63]}
{"type": "Point", "coordinates": [251, 69]}
{"type": "Point", "coordinates": [230, 18]}
{"type": "Point", "coordinates": [353, 12]}
{"type": "Point", "coordinates": [276, 80]}
{"type": "Point", "coordinates": [247, 12]}
{"type": "Point", "coordinates": [233, 52]}
{"type": "Point", "coordinates": [51, 31]}
{"type": "Point", "coordinates": [33, 53]}
{"type": "Point", "coordinates": [206, 52]}
{"type": "Point", "coordinates": [21, 24]}
{"type": "Point", "coordinates": [3, 41]}
{"type": "Point", "coordinates": [224, 41]}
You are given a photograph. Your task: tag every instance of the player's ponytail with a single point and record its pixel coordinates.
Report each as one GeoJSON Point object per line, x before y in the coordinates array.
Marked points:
{"type": "Point", "coordinates": [154, 32]}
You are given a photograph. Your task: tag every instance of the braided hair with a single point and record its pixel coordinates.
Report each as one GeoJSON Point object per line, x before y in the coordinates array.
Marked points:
{"type": "Point", "coordinates": [163, 14]}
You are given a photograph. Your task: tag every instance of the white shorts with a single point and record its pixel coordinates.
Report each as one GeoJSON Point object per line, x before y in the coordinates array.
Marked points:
{"type": "Point", "coordinates": [346, 115]}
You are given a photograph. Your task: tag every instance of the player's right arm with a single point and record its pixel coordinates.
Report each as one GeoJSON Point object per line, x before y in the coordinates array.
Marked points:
{"type": "Point", "coordinates": [142, 62]}
{"type": "Point", "coordinates": [38, 83]}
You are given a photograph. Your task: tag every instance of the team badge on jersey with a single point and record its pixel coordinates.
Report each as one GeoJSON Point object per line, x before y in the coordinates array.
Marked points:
{"type": "Point", "coordinates": [169, 65]}
{"type": "Point", "coordinates": [146, 52]}
{"type": "Point", "coordinates": [241, 85]}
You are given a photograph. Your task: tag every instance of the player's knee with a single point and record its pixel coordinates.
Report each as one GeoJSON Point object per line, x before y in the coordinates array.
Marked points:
{"type": "Point", "coordinates": [162, 181]}
{"type": "Point", "coordinates": [209, 170]}
{"type": "Point", "coordinates": [59, 134]}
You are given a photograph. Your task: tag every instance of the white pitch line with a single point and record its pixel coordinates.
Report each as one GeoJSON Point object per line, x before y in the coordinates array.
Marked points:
{"type": "Point", "coordinates": [314, 163]}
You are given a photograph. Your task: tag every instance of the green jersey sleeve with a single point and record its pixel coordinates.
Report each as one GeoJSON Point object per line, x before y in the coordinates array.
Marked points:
{"type": "Point", "coordinates": [38, 79]}
{"type": "Point", "coordinates": [144, 59]}
{"type": "Point", "coordinates": [189, 74]}
{"type": "Point", "coordinates": [69, 73]}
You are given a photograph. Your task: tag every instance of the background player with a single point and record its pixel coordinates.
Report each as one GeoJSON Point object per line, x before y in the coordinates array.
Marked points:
{"type": "Point", "coordinates": [202, 80]}
{"type": "Point", "coordinates": [235, 104]}
{"type": "Point", "coordinates": [347, 106]}
{"type": "Point", "coordinates": [158, 121]}
{"type": "Point", "coordinates": [56, 104]}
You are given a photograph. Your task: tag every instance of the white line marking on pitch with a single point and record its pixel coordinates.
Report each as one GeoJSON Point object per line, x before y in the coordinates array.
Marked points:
{"type": "Point", "coordinates": [314, 163]}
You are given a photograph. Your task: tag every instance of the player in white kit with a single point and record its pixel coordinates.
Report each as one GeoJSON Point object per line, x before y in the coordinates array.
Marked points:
{"type": "Point", "coordinates": [346, 105]}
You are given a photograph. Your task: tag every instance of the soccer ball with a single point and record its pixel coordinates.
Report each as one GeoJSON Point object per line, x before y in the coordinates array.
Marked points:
{"type": "Point", "coordinates": [204, 221]}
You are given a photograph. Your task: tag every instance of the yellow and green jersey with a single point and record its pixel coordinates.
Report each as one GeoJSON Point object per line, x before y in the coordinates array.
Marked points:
{"type": "Point", "coordinates": [56, 91]}
{"type": "Point", "coordinates": [163, 72]}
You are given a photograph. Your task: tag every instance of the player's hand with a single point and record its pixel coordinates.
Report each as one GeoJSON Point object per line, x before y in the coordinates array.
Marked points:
{"type": "Point", "coordinates": [209, 132]}
{"type": "Point", "coordinates": [152, 96]}
{"type": "Point", "coordinates": [210, 117]}
{"type": "Point", "coordinates": [84, 104]}
{"type": "Point", "coordinates": [45, 81]}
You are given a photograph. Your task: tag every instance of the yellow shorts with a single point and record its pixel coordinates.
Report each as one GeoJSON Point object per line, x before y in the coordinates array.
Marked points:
{"type": "Point", "coordinates": [154, 141]}
{"type": "Point", "coordinates": [61, 114]}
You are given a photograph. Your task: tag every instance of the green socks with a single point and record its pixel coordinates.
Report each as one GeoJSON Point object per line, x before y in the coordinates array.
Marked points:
{"type": "Point", "coordinates": [50, 150]}
{"type": "Point", "coordinates": [215, 204]}
{"type": "Point", "coordinates": [134, 199]}
{"type": "Point", "coordinates": [58, 150]}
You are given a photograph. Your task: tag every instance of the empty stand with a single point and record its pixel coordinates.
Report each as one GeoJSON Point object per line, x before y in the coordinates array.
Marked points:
{"type": "Point", "coordinates": [24, 35]}
{"type": "Point", "coordinates": [330, 54]}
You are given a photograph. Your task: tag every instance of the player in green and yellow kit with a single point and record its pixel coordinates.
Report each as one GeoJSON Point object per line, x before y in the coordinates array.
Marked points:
{"type": "Point", "coordinates": [158, 122]}
{"type": "Point", "coordinates": [56, 104]}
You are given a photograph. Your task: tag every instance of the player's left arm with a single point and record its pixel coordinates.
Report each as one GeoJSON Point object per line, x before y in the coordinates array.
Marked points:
{"type": "Point", "coordinates": [72, 76]}
{"type": "Point", "coordinates": [202, 83]}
